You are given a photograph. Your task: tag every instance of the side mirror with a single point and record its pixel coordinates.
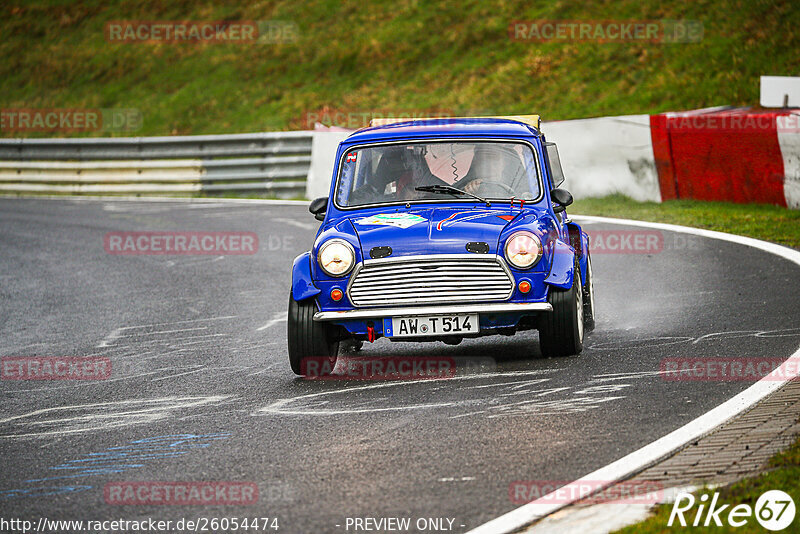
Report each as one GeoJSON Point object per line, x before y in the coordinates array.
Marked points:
{"type": "Point", "coordinates": [562, 197]}
{"type": "Point", "coordinates": [318, 207]}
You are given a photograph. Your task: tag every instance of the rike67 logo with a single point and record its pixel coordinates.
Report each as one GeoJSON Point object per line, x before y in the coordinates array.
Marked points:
{"type": "Point", "coordinates": [774, 510]}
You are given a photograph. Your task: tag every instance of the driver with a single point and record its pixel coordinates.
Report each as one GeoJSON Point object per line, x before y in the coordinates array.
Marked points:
{"type": "Point", "coordinates": [420, 175]}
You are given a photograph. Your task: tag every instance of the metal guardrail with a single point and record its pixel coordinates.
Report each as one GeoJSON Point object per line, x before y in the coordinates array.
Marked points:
{"type": "Point", "coordinates": [272, 162]}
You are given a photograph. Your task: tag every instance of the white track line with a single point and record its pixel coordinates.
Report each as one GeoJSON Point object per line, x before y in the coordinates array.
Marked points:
{"type": "Point", "coordinates": [656, 451]}
{"type": "Point", "coordinates": [166, 331]}
{"type": "Point", "coordinates": [298, 224]}
{"type": "Point", "coordinates": [179, 322]}
{"type": "Point", "coordinates": [277, 318]}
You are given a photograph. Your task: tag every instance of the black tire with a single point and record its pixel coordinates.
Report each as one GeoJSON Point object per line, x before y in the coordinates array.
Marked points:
{"type": "Point", "coordinates": [588, 296]}
{"type": "Point", "coordinates": [561, 331]}
{"type": "Point", "coordinates": [309, 338]}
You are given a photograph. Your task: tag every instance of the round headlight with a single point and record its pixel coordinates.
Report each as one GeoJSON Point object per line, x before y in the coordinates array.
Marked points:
{"type": "Point", "coordinates": [523, 250]}
{"type": "Point", "coordinates": [336, 257]}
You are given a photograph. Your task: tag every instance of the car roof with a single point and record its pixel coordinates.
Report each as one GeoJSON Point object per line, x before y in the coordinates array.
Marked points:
{"type": "Point", "coordinates": [446, 127]}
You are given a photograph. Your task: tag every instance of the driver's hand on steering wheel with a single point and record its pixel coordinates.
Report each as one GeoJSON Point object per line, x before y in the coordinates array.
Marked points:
{"type": "Point", "coordinates": [473, 186]}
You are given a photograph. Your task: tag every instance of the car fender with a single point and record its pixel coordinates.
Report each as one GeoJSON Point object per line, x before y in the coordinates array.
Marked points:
{"type": "Point", "coordinates": [580, 243]}
{"type": "Point", "coordinates": [562, 265]}
{"type": "Point", "coordinates": [584, 259]}
{"type": "Point", "coordinates": [302, 284]}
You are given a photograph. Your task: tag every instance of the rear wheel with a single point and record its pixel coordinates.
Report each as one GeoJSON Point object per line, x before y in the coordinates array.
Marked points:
{"type": "Point", "coordinates": [561, 331]}
{"type": "Point", "coordinates": [312, 344]}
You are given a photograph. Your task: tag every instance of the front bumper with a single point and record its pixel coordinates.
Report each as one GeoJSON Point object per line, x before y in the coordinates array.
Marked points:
{"type": "Point", "coordinates": [379, 313]}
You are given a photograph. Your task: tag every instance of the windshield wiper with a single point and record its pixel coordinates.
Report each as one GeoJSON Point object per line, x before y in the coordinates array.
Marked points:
{"type": "Point", "coordinates": [449, 190]}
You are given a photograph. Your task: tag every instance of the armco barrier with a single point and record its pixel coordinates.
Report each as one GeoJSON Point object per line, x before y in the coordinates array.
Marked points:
{"type": "Point", "coordinates": [276, 163]}
{"type": "Point", "coordinates": [734, 155]}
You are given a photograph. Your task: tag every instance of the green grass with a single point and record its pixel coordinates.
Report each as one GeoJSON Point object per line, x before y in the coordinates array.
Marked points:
{"type": "Point", "coordinates": [783, 474]}
{"type": "Point", "coordinates": [771, 223]}
{"type": "Point", "coordinates": [385, 57]}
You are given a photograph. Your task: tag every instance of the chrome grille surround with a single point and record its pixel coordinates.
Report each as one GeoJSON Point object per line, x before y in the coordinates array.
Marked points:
{"type": "Point", "coordinates": [430, 279]}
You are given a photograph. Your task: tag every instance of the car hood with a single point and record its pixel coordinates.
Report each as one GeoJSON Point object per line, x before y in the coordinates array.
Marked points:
{"type": "Point", "coordinates": [432, 230]}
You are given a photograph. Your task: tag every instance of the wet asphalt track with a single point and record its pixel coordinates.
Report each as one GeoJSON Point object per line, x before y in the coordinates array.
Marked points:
{"type": "Point", "coordinates": [197, 345]}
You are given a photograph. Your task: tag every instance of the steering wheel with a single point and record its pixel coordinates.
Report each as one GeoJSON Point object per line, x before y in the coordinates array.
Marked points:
{"type": "Point", "coordinates": [487, 184]}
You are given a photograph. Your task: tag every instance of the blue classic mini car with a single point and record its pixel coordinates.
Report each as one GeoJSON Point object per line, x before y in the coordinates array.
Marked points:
{"type": "Point", "coordinates": [442, 229]}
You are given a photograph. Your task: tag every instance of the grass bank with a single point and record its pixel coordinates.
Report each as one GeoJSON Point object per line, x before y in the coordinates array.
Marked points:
{"type": "Point", "coordinates": [385, 57]}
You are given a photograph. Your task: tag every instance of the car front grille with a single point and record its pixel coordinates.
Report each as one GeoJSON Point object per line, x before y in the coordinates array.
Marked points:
{"type": "Point", "coordinates": [438, 279]}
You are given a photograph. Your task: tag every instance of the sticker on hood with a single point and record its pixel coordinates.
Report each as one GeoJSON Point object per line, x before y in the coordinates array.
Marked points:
{"type": "Point", "coordinates": [399, 220]}
{"type": "Point", "coordinates": [468, 216]}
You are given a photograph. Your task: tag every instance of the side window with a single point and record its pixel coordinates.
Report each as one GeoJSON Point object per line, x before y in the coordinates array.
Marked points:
{"type": "Point", "coordinates": [551, 151]}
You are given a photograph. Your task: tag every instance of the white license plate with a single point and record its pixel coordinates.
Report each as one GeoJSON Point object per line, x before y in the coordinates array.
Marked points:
{"type": "Point", "coordinates": [434, 325]}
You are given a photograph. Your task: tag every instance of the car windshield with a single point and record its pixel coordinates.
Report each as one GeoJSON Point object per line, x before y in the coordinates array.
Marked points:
{"type": "Point", "coordinates": [391, 173]}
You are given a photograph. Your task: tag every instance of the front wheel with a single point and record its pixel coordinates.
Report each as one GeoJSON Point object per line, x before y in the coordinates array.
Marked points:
{"type": "Point", "coordinates": [561, 331]}
{"type": "Point", "coordinates": [312, 345]}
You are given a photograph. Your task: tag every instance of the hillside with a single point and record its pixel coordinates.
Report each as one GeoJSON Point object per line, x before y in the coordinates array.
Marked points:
{"type": "Point", "coordinates": [385, 57]}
